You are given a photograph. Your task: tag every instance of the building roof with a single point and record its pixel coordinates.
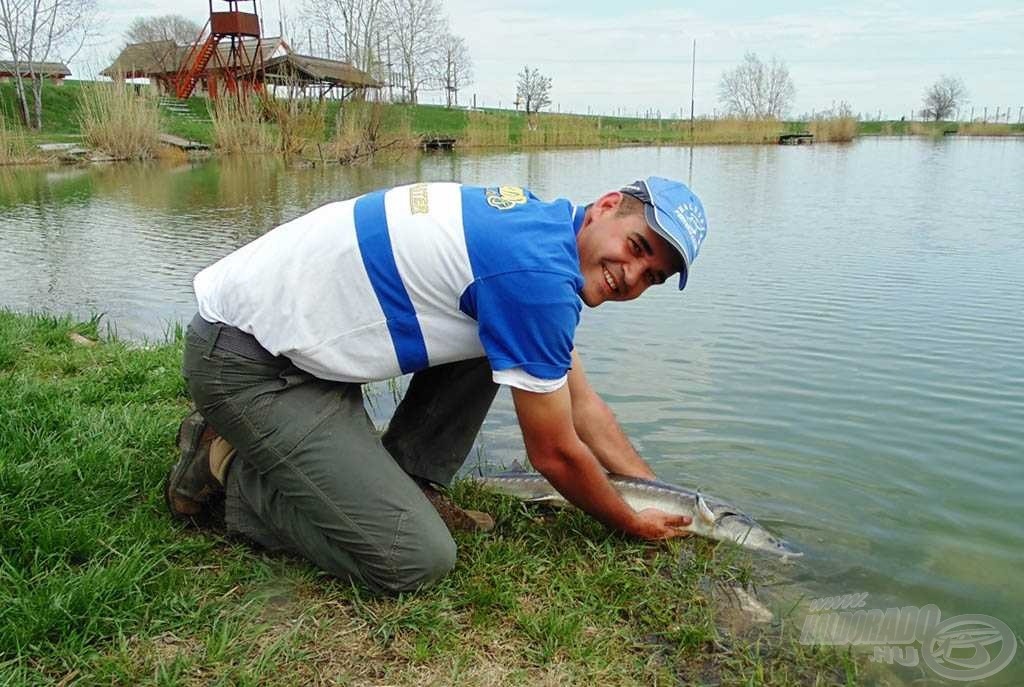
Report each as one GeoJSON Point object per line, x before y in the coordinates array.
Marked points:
{"type": "Point", "coordinates": [44, 68]}
{"type": "Point", "coordinates": [162, 58]}
{"type": "Point", "coordinates": [320, 69]}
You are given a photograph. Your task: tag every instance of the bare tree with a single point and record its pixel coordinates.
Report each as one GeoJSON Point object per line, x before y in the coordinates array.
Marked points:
{"type": "Point", "coordinates": [167, 27]}
{"type": "Point", "coordinates": [944, 97]}
{"type": "Point", "coordinates": [161, 35]}
{"type": "Point", "coordinates": [36, 31]}
{"type": "Point", "coordinates": [757, 89]}
{"type": "Point", "coordinates": [452, 67]}
{"type": "Point", "coordinates": [415, 27]}
{"type": "Point", "coordinates": [533, 90]}
{"type": "Point", "coordinates": [353, 30]}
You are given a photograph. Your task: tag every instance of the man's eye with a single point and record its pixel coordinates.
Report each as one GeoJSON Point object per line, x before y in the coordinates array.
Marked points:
{"type": "Point", "coordinates": [634, 247]}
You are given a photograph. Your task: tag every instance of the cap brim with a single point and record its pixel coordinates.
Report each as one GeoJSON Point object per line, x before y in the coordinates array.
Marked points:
{"type": "Point", "coordinates": [658, 226]}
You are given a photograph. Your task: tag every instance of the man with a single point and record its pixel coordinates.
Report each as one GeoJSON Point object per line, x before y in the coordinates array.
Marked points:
{"type": "Point", "coordinates": [467, 288]}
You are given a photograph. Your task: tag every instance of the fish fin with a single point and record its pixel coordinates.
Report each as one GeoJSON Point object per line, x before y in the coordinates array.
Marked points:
{"type": "Point", "coordinates": [705, 513]}
{"type": "Point", "coordinates": [543, 498]}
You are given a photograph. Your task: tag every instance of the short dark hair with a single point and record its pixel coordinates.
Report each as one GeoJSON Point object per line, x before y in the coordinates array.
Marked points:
{"type": "Point", "coordinates": [629, 206]}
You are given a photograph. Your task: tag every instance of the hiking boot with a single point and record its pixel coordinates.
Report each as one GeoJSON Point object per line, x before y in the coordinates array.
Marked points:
{"type": "Point", "coordinates": [191, 484]}
{"type": "Point", "coordinates": [454, 517]}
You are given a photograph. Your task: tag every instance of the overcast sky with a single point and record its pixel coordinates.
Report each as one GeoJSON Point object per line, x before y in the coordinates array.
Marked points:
{"type": "Point", "coordinates": [607, 55]}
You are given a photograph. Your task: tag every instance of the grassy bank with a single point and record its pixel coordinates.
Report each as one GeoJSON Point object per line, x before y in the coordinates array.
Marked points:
{"type": "Point", "coordinates": [97, 586]}
{"type": "Point", "coordinates": [312, 129]}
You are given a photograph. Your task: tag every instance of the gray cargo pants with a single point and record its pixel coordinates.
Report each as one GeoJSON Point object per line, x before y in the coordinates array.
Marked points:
{"type": "Point", "coordinates": [313, 477]}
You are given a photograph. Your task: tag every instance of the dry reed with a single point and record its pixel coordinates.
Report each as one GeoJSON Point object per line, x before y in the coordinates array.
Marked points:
{"type": "Point", "coordinates": [833, 129]}
{"type": "Point", "coordinates": [118, 121]}
{"type": "Point", "coordinates": [987, 129]}
{"type": "Point", "coordinates": [239, 125]}
{"type": "Point", "coordinates": [561, 130]}
{"type": "Point", "coordinates": [365, 128]}
{"type": "Point", "coordinates": [486, 129]}
{"type": "Point", "coordinates": [15, 148]}
{"type": "Point", "coordinates": [933, 129]}
{"type": "Point", "coordinates": [300, 122]}
{"type": "Point", "coordinates": [733, 130]}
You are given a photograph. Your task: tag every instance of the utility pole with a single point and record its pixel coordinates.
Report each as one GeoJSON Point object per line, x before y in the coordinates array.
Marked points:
{"type": "Point", "coordinates": [693, 76]}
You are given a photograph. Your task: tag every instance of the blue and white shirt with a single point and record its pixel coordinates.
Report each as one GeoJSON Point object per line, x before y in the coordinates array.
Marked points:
{"type": "Point", "coordinates": [400, 280]}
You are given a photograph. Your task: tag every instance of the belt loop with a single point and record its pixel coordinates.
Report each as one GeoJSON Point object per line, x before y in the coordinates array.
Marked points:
{"type": "Point", "coordinates": [212, 343]}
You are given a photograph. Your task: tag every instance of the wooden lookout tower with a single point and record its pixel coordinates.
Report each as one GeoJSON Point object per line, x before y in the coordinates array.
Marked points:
{"type": "Point", "coordinates": [227, 48]}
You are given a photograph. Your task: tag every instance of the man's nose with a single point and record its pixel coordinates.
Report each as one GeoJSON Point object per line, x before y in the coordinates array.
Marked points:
{"type": "Point", "coordinates": [632, 272]}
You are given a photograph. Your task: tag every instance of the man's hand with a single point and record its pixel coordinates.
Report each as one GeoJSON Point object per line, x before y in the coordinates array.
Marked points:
{"type": "Point", "coordinates": [652, 523]}
{"type": "Point", "coordinates": [557, 452]}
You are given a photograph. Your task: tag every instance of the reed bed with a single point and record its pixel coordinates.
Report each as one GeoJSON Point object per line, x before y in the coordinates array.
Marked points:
{"type": "Point", "coordinates": [988, 129]}
{"type": "Point", "coordinates": [301, 122]}
{"type": "Point", "coordinates": [732, 130]}
{"type": "Point", "coordinates": [933, 129]}
{"type": "Point", "coordinates": [367, 128]}
{"type": "Point", "coordinates": [240, 125]}
{"type": "Point", "coordinates": [118, 121]}
{"type": "Point", "coordinates": [487, 129]}
{"type": "Point", "coordinates": [833, 129]}
{"type": "Point", "coordinates": [561, 130]}
{"type": "Point", "coordinates": [15, 148]}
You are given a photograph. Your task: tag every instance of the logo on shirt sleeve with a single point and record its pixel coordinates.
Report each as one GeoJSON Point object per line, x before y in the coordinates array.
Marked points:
{"type": "Point", "coordinates": [505, 197]}
{"type": "Point", "coordinates": [418, 199]}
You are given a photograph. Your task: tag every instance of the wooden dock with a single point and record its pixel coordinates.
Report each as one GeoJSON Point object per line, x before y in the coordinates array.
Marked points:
{"type": "Point", "coordinates": [435, 143]}
{"type": "Point", "coordinates": [798, 139]}
{"type": "Point", "coordinates": [182, 143]}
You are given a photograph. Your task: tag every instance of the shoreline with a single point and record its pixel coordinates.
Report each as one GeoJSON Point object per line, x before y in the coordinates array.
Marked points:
{"type": "Point", "coordinates": [409, 126]}
{"type": "Point", "coordinates": [549, 598]}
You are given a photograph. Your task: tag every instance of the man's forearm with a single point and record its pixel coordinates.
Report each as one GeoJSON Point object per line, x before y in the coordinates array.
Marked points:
{"type": "Point", "coordinates": [600, 431]}
{"type": "Point", "coordinates": [578, 476]}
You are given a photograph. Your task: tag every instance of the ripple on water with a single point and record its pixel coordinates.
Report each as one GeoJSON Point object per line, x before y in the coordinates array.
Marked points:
{"type": "Point", "coordinates": [844, 364]}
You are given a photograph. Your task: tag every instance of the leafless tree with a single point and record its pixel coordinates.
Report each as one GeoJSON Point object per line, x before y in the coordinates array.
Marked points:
{"type": "Point", "coordinates": [160, 33]}
{"type": "Point", "coordinates": [533, 90]}
{"type": "Point", "coordinates": [452, 67]}
{"type": "Point", "coordinates": [353, 30]}
{"type": "Point", "coordinates": [35, 31]}
{"type": "Point", "coordinates": [167, 27]}
{"type": "Point", "coordinates": [415, 26]}
{"type": "Point", "coordinates": [757, 89]}
{"type": "Point", "coordinates": [944, 97]}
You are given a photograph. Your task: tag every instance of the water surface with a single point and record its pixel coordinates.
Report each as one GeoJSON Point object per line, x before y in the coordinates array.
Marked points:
{"type": "Point", "coordinates": [846, 363]}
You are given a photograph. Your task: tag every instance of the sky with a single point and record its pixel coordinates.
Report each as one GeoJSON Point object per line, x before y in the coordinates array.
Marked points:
{"type": "Point", "coordinates": [627, 56]}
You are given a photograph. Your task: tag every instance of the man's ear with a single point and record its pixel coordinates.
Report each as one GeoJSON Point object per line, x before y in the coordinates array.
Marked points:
{"type": "Point", "coordinates": [609, 202]}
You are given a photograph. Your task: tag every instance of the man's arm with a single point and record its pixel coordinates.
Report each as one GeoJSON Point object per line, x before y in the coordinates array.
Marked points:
{"type": "Point", "coordinates": [600, 431]}
{"type": "Point", "coordinates": [557, 452]}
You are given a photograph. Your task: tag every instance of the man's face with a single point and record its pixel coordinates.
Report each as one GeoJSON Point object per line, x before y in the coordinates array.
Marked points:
{"type": "Point", "coordinates": [620, 256]}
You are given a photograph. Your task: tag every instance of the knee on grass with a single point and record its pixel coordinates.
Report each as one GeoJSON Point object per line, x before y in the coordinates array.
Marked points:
{"type": "Point", "coordinates": [423, 563]}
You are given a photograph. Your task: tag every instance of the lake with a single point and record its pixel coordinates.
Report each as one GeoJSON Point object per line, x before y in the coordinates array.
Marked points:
{"type": "Point", "coordinates": [846, 363]}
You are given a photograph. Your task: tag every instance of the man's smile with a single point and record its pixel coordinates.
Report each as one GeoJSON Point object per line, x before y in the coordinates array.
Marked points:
{"type": "Point", "coordinates": [612, 283]}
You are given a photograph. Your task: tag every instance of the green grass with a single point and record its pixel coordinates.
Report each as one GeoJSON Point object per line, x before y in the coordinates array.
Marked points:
{"type": "Point", "coordinates": [61, 122]}
{"type": "Point", "coordinates": [97, 585]}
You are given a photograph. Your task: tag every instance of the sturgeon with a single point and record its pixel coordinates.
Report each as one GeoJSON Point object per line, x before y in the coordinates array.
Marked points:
{"type": "Point", "coordinates": [712, 517]}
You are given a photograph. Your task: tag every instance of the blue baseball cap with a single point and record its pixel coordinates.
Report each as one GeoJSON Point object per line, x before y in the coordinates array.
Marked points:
{"type": "Point", "coordinates": [675, 213]}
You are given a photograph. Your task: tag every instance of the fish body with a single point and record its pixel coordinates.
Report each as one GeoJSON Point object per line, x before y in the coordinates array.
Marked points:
{"type": "Point", "coordinates": [711, 517]}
